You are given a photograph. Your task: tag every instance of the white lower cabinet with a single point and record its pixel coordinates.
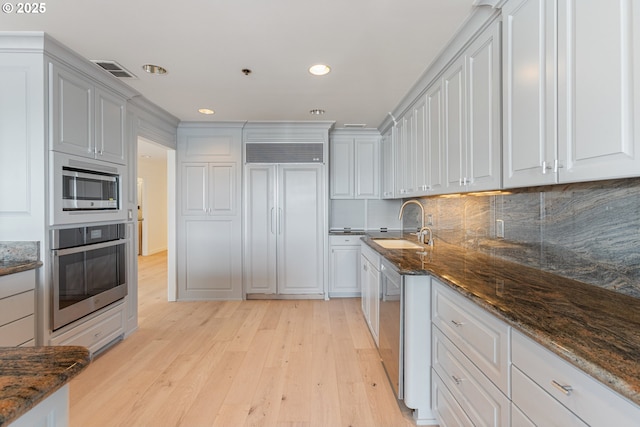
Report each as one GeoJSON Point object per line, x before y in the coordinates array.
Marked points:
{"type": "Point", "coordinates": [344, 263]}
{"type": "Point", "coordinates": [480, 399]}
{"type": "Point", "coordinates": [470, 355]}
{"type": "Point", "coordinates": [565, 396]}
{"type": "Point", "coordinates": [370, 285]}
{"type": "Point", "coordinates": [96, 332]}
{"type": "Point", "coordinates": [17, 309]}
{"type": "Point", "coordinates": [488, 374]}
{"type": "Point", "coordinates": [53, 411]}
{"type": "Point", "coordinates": [450, 413]}
{"type": "Point", "coordinates": [480, 336]}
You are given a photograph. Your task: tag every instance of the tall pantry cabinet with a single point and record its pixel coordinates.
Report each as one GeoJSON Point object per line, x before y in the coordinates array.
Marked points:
{"type": "Point", "coordinates": [209, 211]}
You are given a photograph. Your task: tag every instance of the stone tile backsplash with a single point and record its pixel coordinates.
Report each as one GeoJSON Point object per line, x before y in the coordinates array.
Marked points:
{"type": "Point", "coordinates": [585, 231]}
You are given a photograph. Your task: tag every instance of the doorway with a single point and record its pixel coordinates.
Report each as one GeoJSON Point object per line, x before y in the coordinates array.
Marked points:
{"type": "Point", "coordinates": [155, 200]}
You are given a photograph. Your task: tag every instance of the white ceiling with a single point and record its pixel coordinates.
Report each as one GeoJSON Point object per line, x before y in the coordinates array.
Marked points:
{"type": "Point", "coordinates": [377, 50]}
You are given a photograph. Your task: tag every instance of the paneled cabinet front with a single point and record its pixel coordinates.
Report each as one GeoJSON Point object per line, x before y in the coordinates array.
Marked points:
{"type": "Point", "coordinates": [86, 120]}
{"type": "Point", "coordinates": [344, 274]}
{"type": "Point", "coordinates": [354, 165]}
{"type": "Point", "coordinates": [209, 234]}
{"type": "Point", "coordinates": [449, 139]}
{"type": "Point", "coordinates": [570, 91]}
{"type": "Point", "coordinates": [208, 188]}
{"type": "Point", "coordinates": [471, 91]}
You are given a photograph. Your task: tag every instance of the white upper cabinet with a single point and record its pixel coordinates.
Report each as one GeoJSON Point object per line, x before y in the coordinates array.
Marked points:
{"type": "Point", "coordinates": [387, 154]}
{"type": "Point", "coordinates": [341, 166]}
{"type": "Point", "coordinates": [569, 97]}
{"type": "Point", "coordinates": [529, 92]}
{"type": "Point", "coordinates": [86, 120]}
{"type": "Point", "coordinates": [354, 165]}
{"type": "Point", "coordinates": [208, 188]}
{"type": "Point", "coordinates": [434, 150]}
{"type": "Point", "coordinates": [599, 98]}
{"type": "Point", "coordinates": [471, 90]}
{"type": "Point", "coordinates": [110, 119]}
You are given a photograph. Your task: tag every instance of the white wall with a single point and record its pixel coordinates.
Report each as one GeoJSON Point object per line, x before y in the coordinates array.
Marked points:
{"type": "Point", "coordinates": [153, 171]}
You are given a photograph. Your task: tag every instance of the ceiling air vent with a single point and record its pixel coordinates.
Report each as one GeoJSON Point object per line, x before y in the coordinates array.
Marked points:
{"type": "Point", "coordinates": [114, 68]}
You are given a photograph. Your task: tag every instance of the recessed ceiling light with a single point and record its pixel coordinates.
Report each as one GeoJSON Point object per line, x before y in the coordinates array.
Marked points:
{"type": "Point", "coordinates": [154, 69]}
{"type": "Point", "coordinates": [316, 111]}
{"type": "Point", "coordinates": [319, 69]}
{"type": "Point", "coordinates": [206, 111]}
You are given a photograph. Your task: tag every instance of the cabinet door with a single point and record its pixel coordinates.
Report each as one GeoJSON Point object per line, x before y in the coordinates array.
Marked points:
{"type": "Point", "coordinates": [345, 271]}
{"type": "Point", "coordinates": [110, 120]}
{"type": "Point", "coordinates": [454, 126]}
{"type": "Point", "coordinates": [435, 153]}
{"type": "Point", "coordinates": [599, 100]}
{"type": "Point", "coordinates": [342, 168]}
{"type": "Point", "coordinates": [222, 189]}
{"type": "Point", "coordinates": [388, 167]}
{"type": "Point", "coordinates": [409, 148]}
{"type": "Point", "coordinates": [364, 287]}
{"type": "Point", "coordinates": [367, 166]}
{"type": "Point", "coordinates": [420, 150]}
{"type": "Point", "coordinates": [483, 170]}
{"type": "Point", "coordinates": [71, 112]}
{"type": "Point", "coordinates": [195, 187]}
{"type": "Point", "coordinates": [529, 100]}
{"type": "Point", "coordinates": [400, 157]}
{"type": "Point", "coordinates": [300, 229]}
{"type": "Point", "coordinates": [261, 229]}
{"type": "Point", "coordinates": [210, 267]}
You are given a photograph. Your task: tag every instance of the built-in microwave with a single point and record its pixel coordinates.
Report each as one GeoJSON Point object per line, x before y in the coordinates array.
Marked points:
{"type": "Point", "coordinates": [85, 190]}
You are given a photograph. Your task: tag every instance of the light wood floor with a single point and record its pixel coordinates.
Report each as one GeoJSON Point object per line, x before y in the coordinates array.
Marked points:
{"type": "Point", "coordinates": [237, 363]}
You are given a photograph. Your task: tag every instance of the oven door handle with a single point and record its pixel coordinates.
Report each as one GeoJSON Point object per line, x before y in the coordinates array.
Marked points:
{"type": "Point", "coordinates": [87, 248]}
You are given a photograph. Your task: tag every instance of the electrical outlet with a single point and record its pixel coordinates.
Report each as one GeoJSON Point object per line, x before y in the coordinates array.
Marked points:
{"type": "Point", "coordinates": [500, 228]}
{"type": "Point", "coordinates": [429, 219]}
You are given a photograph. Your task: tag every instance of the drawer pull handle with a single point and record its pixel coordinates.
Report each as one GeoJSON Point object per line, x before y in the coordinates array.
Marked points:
{"type": "Point", "coordinates": [456, 323]}
{"type": "Point", "coordinates": [457, 380]}
{"type": "Point", "coordinates": [564, 389]}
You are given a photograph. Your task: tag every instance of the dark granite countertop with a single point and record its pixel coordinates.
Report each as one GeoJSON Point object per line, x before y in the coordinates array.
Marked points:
{"type": "Point", "coordinates": [30, 374]}
{"type": "Point", "coordinates": [17, 256]}
{"type": "Point", "coordinates": [10, 267]}
{"type": "Point", "coordinates": [595, 329]}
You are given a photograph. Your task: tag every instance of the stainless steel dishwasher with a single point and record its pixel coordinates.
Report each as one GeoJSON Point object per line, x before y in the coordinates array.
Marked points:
{"type": "Point", "coordinates": [391, 326]}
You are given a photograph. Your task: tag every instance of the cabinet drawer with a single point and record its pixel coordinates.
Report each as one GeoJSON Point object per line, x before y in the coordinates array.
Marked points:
{"type": "Point", "coordinates": [94, 333]}
{"type": "Point", "coordinates": [480, 399]}
{"type": "Point", "coordinates": [449, 412]}
{"type": "Point", "coordinates": [591, 400]}
{"type": "Point", "coordinates": [18, 332]}
{"type": "Point", "coordinates": [537, 405]}
{"type": "Point", "coordinates": [16, 307]}
{"type": "Point", "coordinates": [13, 284]}
{"type": "Point", "coordinates": [353, 240]}
{"type": "Point", "coordinates": [482, 338]}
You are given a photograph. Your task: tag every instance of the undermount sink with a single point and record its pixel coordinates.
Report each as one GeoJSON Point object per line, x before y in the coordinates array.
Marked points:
{"type": "Point", "coordinates": [397, 244]}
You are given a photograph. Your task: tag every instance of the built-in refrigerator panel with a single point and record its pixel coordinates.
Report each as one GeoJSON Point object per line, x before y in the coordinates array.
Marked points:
{"type": "Point", "coordinates": [284, 230]}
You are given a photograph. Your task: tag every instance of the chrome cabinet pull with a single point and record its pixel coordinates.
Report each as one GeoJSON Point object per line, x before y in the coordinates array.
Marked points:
{"type": "Point", "coordinates": [273, 220]}
{"type": "Point", "coordinates": [556, 165]}
{"type": "Point", "coordinates": [457, 380]}
{"type": "Point", "coordinates": [456, 323]}
{"type": "Point", "coordinates": [564, 389]}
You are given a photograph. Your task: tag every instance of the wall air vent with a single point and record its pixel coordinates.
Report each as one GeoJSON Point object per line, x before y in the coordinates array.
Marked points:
{"type": "Point", "coordinates": [284, 152]}
{"type": "Point", "coordinates": [114, 68]}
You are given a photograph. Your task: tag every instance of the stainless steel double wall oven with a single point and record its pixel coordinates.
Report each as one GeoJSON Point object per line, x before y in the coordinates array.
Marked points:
{"type": "Point", "coordinates": [88, 240]}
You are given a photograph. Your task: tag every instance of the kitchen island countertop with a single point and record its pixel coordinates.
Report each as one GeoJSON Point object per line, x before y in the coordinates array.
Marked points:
{"type": "Point", "coordinates": [30, 374]}
{"type": "Point", "coordinates": [595, 329]}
